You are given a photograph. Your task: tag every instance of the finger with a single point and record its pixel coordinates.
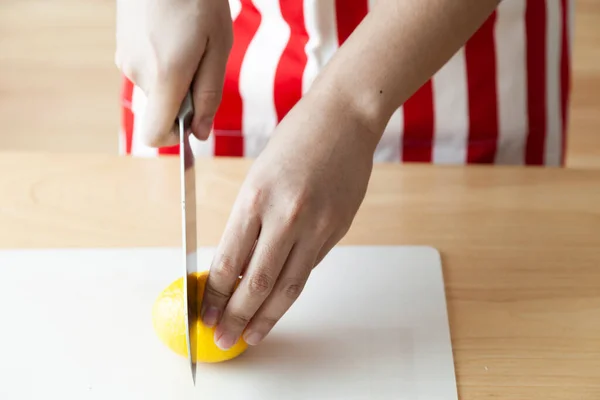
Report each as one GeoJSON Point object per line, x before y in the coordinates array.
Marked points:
{"type": "Point", "coordinates": [286, 291]}
{"type": "Point", "coordinates": [164, 101]}
{"type": "Point", "coordinates": [231, 257]}
{"type": "Point", "coordinates": [208, 88]}
{"type": "Point", "coordinates": [165, 97]}
{"type": "Point", "coordinates": [272, 250]}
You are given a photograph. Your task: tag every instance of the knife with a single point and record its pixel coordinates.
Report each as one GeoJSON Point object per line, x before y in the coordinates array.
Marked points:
{"type": "Point", "coordinates": [188, 214]}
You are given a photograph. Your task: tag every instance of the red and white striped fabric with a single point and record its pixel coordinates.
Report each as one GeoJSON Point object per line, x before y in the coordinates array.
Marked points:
{"type": "Point", "coordinates": [503, 97]}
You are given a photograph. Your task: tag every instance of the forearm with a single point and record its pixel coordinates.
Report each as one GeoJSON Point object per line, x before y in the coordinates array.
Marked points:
{"type": "Point", "coordinates": [395, 50]}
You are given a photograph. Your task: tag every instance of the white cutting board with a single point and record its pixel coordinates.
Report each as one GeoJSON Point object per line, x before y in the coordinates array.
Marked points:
{"type": "Point", "coordinates": [370, 324]}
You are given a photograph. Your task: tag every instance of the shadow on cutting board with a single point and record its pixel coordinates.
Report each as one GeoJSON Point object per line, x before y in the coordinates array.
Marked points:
{"type": "Point", "coordinates": [360, 357]}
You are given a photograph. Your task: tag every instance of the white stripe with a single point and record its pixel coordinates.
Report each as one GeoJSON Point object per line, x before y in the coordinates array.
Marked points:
{"type": "Point", "coordinates": [511, 58]}
{"type": "Point", "coordinates": [321, 26]}
{"type": "Point", "coordinates": [257, 77]}
{"type": "Point", "coordinates": [388, 148]}
{"type": "Point", "coordinates": [138, 106]}
{"type": "Point", "coordinates": [235, 6]}
{"type": "Point", "coordinates": [553, 100]}
{"type": "Point", "coordinates": [450, 92]}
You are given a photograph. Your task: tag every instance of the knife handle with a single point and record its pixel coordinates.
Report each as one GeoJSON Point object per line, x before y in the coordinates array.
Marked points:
{"type": "Point", "coordinates": [186, 111]}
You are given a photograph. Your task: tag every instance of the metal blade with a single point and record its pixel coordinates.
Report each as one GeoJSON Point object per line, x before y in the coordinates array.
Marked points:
{"type": "Point", "coordinates": [189, 234]}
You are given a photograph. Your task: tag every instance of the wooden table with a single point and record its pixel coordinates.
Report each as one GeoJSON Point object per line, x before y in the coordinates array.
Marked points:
{"type": "Point", "coordinates": [521, 248]}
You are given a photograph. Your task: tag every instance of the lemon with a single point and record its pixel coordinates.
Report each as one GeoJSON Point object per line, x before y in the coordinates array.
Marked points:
{"type": "Point", "coordinates": [169, 324]}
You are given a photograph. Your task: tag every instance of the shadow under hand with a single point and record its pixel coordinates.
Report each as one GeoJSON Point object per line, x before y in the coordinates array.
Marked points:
{"type": "Point", "coordinates": [303, 362]}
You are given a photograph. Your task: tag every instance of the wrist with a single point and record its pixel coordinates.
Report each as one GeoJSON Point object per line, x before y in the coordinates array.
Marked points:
{"type": "Point", "coordinates": [359, 109]}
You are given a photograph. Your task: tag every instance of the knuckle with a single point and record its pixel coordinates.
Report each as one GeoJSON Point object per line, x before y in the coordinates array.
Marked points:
{"type": "Point", "coordinates": [215, 293]}
{"type": "Point", "coordinates": [323, 227]}
{"type": "Point", "coordinates": [260, 284]}
{"type": "Point", "coordinates": [225, 269]}
{"type": "Point", "coordinates": [267, 322]}
{"type": "Point", "coordinates": [293, 211]}
{"type": "Point", "coordinates": [239, 319]}
{"type": "Point", "coordinates": [157, 139]}
{"type": "Point", "coordinates": [252, 200]}
{"type": "Point", "coordinates": [293, 288]}
{"type": "Point", "coordinates": [153, 141]}
{"type": "Point", "coordinates": [297, 204]}
{"type": "Point", "coordinates": [207, 102]}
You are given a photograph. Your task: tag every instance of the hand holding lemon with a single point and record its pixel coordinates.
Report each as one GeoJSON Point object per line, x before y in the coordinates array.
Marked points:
{"type": "Point", "coordinates": [169, 324]}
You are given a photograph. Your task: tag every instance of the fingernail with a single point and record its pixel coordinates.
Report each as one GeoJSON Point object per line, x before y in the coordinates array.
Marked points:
{"type": "Point", "coordinates": [210, 316]}
{"type": "Point", "coordinates": [226, 341]}
{"type": "Point", "coordinates": [253, 338]}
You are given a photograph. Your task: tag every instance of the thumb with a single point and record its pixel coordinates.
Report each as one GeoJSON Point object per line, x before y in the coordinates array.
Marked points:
{"type": "Point", "coordinates": [162, 108]}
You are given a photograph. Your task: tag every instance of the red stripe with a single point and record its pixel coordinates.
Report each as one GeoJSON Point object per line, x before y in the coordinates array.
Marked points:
{"type": "Point", "coordinates": [288, 77]}
{"type": "Point", "coordinates": [228, 119]}
{"type": "Point", "coordinates": [565, 75]}
{"type": "Point", "coordinates": [126, 113]}
{"type": "Point", "coordinates": [169, 150]}
{"type": "Point", "coordinates": [348, 15]}
{"type": "Point", "coordinates": [419, 118]}
{"type": "Point", "coordinates": [480, 54]}
{"type": "Point", "coordinates": [535, 22]}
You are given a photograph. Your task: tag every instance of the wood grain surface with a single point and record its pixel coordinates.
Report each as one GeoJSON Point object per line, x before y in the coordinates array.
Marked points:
{"type": "Point", "coordinates": [583, 150]}
{"type": "Point", "coordinates": [59, 87]}
{"type": "Point", "coordinates": [520, 248]}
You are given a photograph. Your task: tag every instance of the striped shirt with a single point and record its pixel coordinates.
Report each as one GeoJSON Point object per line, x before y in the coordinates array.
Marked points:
{"type": "Point", "coordinates": [501, 99]}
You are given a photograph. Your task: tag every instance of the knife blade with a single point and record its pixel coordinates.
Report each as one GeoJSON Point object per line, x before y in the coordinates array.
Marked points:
{"type": "Point", "coordinates": [189, 234]}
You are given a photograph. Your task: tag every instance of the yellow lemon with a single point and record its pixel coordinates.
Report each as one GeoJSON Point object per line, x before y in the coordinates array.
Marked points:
{"type": "Point", "coordinates": [169, 324]}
